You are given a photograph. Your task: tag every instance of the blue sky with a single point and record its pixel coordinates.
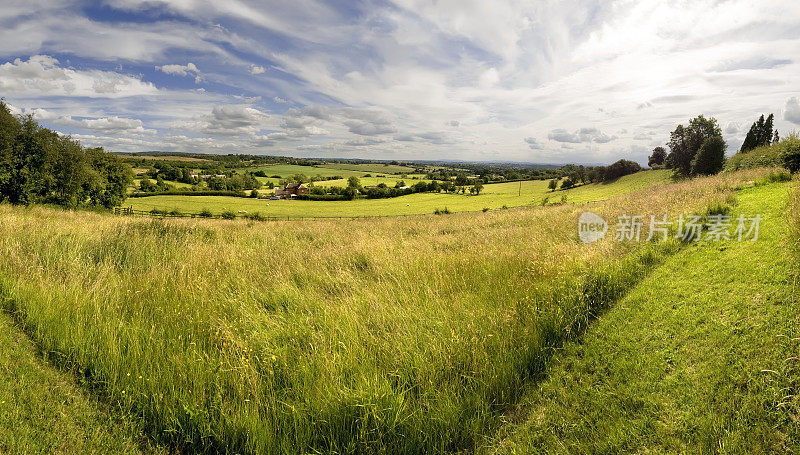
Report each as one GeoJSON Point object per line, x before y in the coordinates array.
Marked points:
{"type": "Point", "coordinates": [537, 81]}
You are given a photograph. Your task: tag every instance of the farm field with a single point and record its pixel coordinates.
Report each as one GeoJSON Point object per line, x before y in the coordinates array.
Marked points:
{"type": "Point", "coordinates": [372, 181]}
{"type": "Point", "coordinates": [347, 350]}
{"type": "Point", "coordinates": [494, 196]}
{"type": "Point", "coordinates": [288, 170]}
{"type": "Point", "coordinates": [372, 168]}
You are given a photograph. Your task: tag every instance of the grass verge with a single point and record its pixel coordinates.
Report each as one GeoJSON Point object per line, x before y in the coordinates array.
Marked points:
{"type": "Point", "coordinates": [689, 361]}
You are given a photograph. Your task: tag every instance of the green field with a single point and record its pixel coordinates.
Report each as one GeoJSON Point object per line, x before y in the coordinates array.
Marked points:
{"type": "Point", "coordinates": [288, 170]}
{"type": "Point", "coordinates": [494, 196]}
{"type": "Point", "coordinates": [424, 334]}
{"type": "Point", "coordinates": [372, 168]}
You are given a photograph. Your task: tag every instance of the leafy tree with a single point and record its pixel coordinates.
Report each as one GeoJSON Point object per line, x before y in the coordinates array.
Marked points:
{"type": "Point", "coordinates": [478, 187]}
{"type": "Point", "coordinates": [567, 183]}
{"type": "Point", "coordinates": [710, 158]}
{"type": "Point", "coordinates": [148, 186]}
{"type": "Point", "coordinates": [685, 142]}
{"type": "Point", "coordinates": [553, 184]}
{"type": "Point", "coordinates": [658, 157]}
{"type": "Point", "coordinates": [353, 182]}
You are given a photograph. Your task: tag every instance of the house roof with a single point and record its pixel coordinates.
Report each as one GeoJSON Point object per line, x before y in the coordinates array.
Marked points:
{"type": "Point", "coordinates": [294, 186]}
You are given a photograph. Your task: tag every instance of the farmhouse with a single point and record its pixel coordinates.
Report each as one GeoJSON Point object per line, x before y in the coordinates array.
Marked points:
{"type": "Point", "coordinates": [291, 190]}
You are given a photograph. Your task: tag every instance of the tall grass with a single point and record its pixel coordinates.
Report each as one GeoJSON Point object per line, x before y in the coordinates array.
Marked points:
{"type": "Point", "coordinates": [388, 335]}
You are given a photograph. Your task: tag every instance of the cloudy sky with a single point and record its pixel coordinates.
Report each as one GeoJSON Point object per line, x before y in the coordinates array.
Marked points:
{"type": "Point", "coordinates": [537, 81]}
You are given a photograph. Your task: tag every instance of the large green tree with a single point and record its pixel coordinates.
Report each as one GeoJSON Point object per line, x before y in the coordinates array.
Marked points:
{"type": "Point", "coordinates": [710, 158]}
{"type": "Point", "coordinates": [685, 143]}
{"type": "Point", "coordinates": [38, 165]}
{"type": "Point", "coordinates": [658, 157]}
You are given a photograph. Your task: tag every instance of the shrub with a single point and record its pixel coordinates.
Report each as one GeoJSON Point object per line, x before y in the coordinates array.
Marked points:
{"type": "Point", "coordinates": [485, 209]}
{"type": "Point", "coordinates": [228, 215]}
{"type": "Point", "coordinates": [158, 212]}
{"type": "Point", "coordinates": [790, 157]}
{"type": "Point", "coordinates": [775, 177]}
{"type": "Point", "coordinates": [444, 211]}
{"type": "Point", "coordinates": [176, 212]}
{"type": "Point", "coordinates": [256, 216]}
{"type": "Point", "coordinates": [206, 213]}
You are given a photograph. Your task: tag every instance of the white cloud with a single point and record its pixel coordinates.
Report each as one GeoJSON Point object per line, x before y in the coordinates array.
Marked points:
{"type": "Point", "coordinates": [179, 70]}
{"type": "Point", "coordinates": [43, 75]}
{"type": "Point", "coordinates": [228, 121]}
{"type": "Point", "coordinates": [579, 136]}
{"type": "Point", "coordinates": [791, 112]}
{"type": "Point", "coordinates": [509, 71]}
{"type": "Point", "coordinates": [732, 128]}
{"type": "Point", "coordinates": [108, 125]}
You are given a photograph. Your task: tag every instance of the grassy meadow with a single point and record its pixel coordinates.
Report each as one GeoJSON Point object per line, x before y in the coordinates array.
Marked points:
{"type": "Point", "coordinates": [699, 357]}
{"type": "Point", "coordinates": [402, 335]}
{"type": "Point", "coordinates": [494, 196]}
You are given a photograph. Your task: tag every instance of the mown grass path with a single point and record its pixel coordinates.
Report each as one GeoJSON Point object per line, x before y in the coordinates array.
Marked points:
{"type": "Point", "coordinates": [43, 410]}
{"type": "Point", "coordinates": [687, 362]}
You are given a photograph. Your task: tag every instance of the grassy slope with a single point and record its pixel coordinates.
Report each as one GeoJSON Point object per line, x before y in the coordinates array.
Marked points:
{"type": "Point", "coordinates": [392, 334]}
{"type": "Point", "coordinates": [494, 196]}
{"type": "Point", "coordinates": [676, 366]}
{"type": "Point", "coordinates": [43, 411]}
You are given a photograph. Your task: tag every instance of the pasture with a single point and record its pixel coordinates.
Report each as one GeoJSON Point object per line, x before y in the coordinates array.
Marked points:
{"type": "Point", "coordinates": [409, 334]}
{"type": "Point", "coordinates": [494, 196]}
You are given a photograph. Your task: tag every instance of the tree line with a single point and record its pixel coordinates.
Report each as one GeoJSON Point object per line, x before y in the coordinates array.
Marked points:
{"type": "Point", "coordinates": [699, 148]}
{"type": "Point", "coordinates": [38, 165]}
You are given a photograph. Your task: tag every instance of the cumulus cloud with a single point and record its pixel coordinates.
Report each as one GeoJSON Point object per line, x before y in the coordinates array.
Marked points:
{"type": "Point", "coordinates": [43, 75]}
{"type": "Point", "coordinates": [791, 112]}
{"type": "Point", "coordinates": [107, 125]}
{"type": "Point", "coordinates": [732, 128]}
{"type": "Point", "coordinates": [317, 111]}
{"type": "Point", "coordinates": [533, 144]}
{"type": "Point", "coordinates": [190, 69]}
{"type": "Point", "coordinates": [179, 70]}
{"type": "Point", "coordinates": [234, 120]}
{"type": "Point", "coordinates": [367, 122]}
{"type": "Point", "coordinates": [256, 69]}
{"type": "Point", "coordinates": [580, 136]}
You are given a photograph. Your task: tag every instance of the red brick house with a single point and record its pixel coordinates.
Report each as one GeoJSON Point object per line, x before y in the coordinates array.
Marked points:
{"type": "Point", "coordinates": [291, 190]}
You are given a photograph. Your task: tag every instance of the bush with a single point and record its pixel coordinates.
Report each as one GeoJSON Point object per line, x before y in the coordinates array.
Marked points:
{"type": "Point", "coordinates": [444, 211]}
{"type": "Point", "coordinates": [775, 177]}
{"type": "Point", "coordinates": [790, 156]}
{"type": "Point", "coordinates": [255, 216]}
{"type": "Point", "coordinates": [176, 212]}
{"type": "Point", "coordinates": [485, 209]}
{"type": "Point", "coordinates": [158, 212]}
{"type": "Point", "coordinates": [228, 215]}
